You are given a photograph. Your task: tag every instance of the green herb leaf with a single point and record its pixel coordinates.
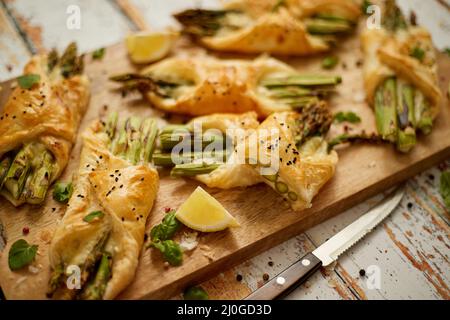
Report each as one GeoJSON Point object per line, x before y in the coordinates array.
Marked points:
{"type": "Point", "coordinates": [62, 191]}
{"type": "Point", "coordinates": [447, 51]}
{"type": "Point", "coordinates": [166, 229]}
{"type": "Point", "coordinates": [364, 6]}
{"type": "Point", "coordinates": [445, 188]}
{"type": "Point", "coordinates": [347, 117]}
{"type": "Point", "coordinates": [171, 251]}
{"type": "Point", "coordinates": [417, 53]}
{"type": "Point", "coordinates": [94, 214]}
{"type": "Point", "coordinates": [195, 293]}
{"type": "Point", "coordinates": [21, 254]}
{"type": "Point", "coordinates": [28, 80]}
{"type": "Point", "coordinates": [330, 62]}
{"type": "Point", "coordinates": [98, 54]}
{"type": "Point", "coordinates": [278, 5]}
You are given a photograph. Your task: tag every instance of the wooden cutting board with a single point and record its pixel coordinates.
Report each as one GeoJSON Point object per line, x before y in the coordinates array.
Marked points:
{"type": "Point", "coordinates": [266, 220]}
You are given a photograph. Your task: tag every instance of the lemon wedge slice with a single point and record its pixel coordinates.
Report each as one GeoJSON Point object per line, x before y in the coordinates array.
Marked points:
{"type": "Point", "coordinates": [203, 213]}
{"type": "Point", "coordinates": [150, 47]}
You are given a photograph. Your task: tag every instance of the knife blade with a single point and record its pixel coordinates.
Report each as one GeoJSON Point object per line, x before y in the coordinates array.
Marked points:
{"type": "Point", "coordinates": [328, 252]}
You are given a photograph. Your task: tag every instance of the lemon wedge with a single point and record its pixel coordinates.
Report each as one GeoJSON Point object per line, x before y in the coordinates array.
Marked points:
{"type": "Point", "coordinates": [203, 213]}
{"type": "Point", "coordinates": [150, 47]}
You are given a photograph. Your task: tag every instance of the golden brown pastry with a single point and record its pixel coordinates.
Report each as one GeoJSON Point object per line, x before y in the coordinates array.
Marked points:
{"type": "Point", "coordinates": [202, 86]}
{"type": "Point", "coordinates": [103, 229]}
{"type": "Point", "coordinates": [400, 77]}
{"type": "Point", "coordinates": [290, 27]}
{"type": "Point", "coordinates": [286, 151]}
{"type": "Point", "coordinates": [38, 125]}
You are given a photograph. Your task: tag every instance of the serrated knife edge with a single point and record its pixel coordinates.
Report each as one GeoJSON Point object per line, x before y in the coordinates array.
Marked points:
{"type": "Point", "coordinates": [350, 235]}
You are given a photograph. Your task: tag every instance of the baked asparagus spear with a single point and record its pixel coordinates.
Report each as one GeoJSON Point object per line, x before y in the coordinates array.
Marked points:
{"type": "Point", "coordinates": [386, 110]}
{"type": "Point", "coordinates": [405, 111]}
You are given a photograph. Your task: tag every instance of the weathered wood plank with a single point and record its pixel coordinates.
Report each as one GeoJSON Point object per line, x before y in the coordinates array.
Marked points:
{"type": "Point", "coordinates": [411, 248]}
{"type": "Point", "coordinates": [432, 15]}
{"type": "Point", "coordinates": [395, 232]}
{"type": "Point", "coordinates": [13, 51]}
{"type": "Point", "coordinates": [51, 24]}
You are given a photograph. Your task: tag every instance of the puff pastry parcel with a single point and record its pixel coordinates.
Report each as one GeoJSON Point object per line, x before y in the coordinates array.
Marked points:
{"type": "Point", "coordinates": [286, 151]}
{"type": "Point", "coordinates": [289, 27]}
{"type": "Point", "coordinates": [202, 86]}
{"type": "Point", "coordinates": [400, 77]}
{"type": "Point", "coordinates": [102, 231]}
{"type": "Point", "coordinates": [39, 123]}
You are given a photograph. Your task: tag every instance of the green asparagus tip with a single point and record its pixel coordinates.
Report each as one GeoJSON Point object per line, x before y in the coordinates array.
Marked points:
{"type": "Point", "coordinates": [406, 139]}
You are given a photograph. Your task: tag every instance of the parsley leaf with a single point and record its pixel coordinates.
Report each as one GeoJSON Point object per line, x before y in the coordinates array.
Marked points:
{"type": "Point", "coordinates": [62, 191]}
{"type": "Point", "coordinates": [166, 229]}
{"type": "Point", "coordinates": [171, 251]}
{"type": "Point", "coordinates": [28, 80]}
{"type": "Point", "coordinates": [330, 62]}
{"type": "Point", "coordinates": [21, 254]}
{"type": "Point", "coordinates": [195, 293]}
{"type": "Point", "coordinates": [98, 54]}
{"type": "Point", "coordinates": [365, 5]}
{"type": "Point", "coordinates": [417, 53]}
{"type": "Point", "coordinates": [347, 117]}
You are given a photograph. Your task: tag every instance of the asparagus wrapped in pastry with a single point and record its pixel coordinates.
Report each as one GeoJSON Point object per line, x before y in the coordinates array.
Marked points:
{"type": "Point", "coordinates": [299, 160]}
{"type": "Point", "coordinates": [103, 229]}
{"type": "Point", "coordinates": [39, 123]}
{"type": "Point", "coordinates": [400, 75]}
{"type": "Point", "coordinates": [202, 86]}
{"type": "Point", "coordinates": [286, 27]}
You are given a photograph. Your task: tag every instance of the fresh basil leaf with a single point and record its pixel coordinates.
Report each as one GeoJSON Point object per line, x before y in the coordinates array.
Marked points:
{"type": "Point", "coordinates": [347, 117]}
{"type": "Point", "coordinates": [94, 214]}
{"type": "Point", "coordinates": [171, 251]}
{"type": "Point", "coordinates": [166, 229]}
{"type": "Point", "coordinates": [365, 5]}
{"type": "Point", "coordinates": [417, 53]}
{"type": "Point", "coordinates": [330, 62]}
{"type": "Point", "coordinates": [62, 191]}
{"type": "Point", "coordinates": [98, 54]}
{"type": "Point", "coordinates": [447, 51]}
{"type": "Point", "coordinates": [444, 188]}
{"type": "Point", "coordinates": [28, 80]}
{"type": "Point", "coordinates": [195, 293]}
{"type": "Point", "coordinates": [21, 254]}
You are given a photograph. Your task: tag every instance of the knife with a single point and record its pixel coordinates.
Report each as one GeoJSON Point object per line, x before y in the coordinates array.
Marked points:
{"type": "Point", "coordinates": [328, 252]}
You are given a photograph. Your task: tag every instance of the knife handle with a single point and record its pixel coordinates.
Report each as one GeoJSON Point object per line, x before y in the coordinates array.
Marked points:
{"type": "Point", "coordinates": [288, 279]}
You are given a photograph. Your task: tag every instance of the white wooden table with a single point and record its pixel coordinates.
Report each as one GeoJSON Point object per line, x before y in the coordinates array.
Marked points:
{"type": "Point", "coordinates": [411, 249]}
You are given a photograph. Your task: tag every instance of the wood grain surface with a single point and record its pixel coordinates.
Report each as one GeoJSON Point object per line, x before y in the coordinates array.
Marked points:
{"type": "Point", "coordinates": [411, 248]}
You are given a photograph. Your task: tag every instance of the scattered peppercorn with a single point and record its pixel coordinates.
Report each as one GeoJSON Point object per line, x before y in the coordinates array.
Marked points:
{"type": "Point", "coordinates": [362, 272]}
{"type": "Point", "coordinates": [26, 230]}
{"type": "Point", "coordinates": [270, 263]}
{"type": "Point", "coordinates": [239, 277]}
{"type": "Point", "coordinates": [265, 277]}
{"type": "Point", "coordinates": [410, 205]}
